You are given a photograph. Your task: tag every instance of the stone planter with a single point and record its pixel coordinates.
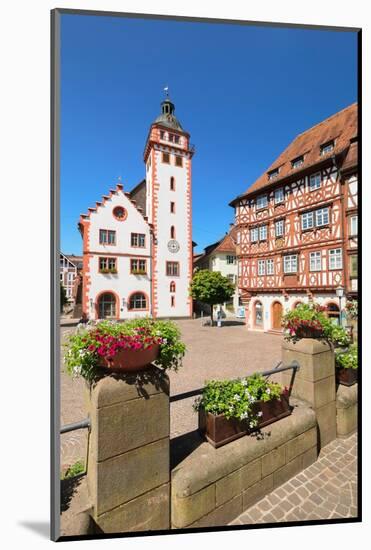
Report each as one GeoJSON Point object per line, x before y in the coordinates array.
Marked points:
{"type": "Point", "coordinates": [220, 430]}
{"type": "Point", "coordinates": [129, 360]}
{"type": "Point", "coordinates": [346, 377]}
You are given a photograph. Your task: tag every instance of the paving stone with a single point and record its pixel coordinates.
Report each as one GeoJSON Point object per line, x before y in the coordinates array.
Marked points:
{"type": "Point", "coordinates": [324, 490]}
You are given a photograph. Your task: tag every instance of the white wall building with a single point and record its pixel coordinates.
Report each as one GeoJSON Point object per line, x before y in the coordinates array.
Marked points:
{"type": "Point", "coordinates": [221, 256]}
{"type": "Point", "coordinates": [137, 246]}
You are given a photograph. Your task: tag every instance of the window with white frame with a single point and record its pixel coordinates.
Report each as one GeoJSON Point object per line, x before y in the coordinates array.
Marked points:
{"type": "Point", "coordinates": [254, 234]}
{"type": "Point", "coordinates": [262, 233]}
{"type": "Point", "coordinates": [261, 267]}
{"type": "Point", "coordinates": [290, 263]}
{"type": "Point", "coordinates": [279, 227]}
{"type": "Point", "coordinates": [335, 258]}
{"type": "Point", "coordinates": [279, 196]}
{"type": "Point", "coordinates": [354, 226]}
{"type": "Point", "coordinates": [322, 217]}
{"type": "Point", "coordinates": [70, 277]}
{"type": "Point", "coordinates": [315, 261]}
{"type": "Point", "coordinates": [261, 201]}
{"type": "Point", "coordinates": [307, 220]}
{"type": "Point", "coordinates": [315, 181]}
{"type": "Point", "coordinates": [269, 266]}
{"type": "Point", "coordinates": [231, 259]}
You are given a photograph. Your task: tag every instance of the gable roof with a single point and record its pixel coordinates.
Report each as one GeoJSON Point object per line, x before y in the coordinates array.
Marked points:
{"type": "Point", "coordinates": [340, 128]}
{"type": "Point", "coordinates": [225, 244]}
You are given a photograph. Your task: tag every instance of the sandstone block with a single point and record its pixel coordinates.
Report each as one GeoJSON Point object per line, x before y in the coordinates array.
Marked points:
{"type": "Point", "coordinates": [188, 510]}
{"type": "Point", "coordinates": [147, 512]}
{"type": "Point", "coordinates": [301, 443]}
{"type": "Point", "coordinates": [131, 474]}
{"type": "Point", "coordinates": [222, 515]}
{"type": "Point", "coordinates": [118, 428]}
{"type": "Point", "coordinates": [286, 472]}
{"type": "Point", "coordinates": [273, 460]}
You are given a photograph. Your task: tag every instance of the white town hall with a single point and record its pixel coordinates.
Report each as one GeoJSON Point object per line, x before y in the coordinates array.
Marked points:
{"type": "Point", "coordinates": [137, 246]}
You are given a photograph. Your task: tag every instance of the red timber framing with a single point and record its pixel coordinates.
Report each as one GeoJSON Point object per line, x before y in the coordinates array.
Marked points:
{"type": "Point", "coordinates": [261, 254]}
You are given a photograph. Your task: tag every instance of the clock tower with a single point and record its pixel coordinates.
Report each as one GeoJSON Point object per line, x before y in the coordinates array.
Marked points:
{"type": "Point", "coordinates": [168, 160]}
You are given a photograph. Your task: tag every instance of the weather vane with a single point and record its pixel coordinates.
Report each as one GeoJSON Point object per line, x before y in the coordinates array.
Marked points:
{"type": "Point", "coordinates": [166, 90]}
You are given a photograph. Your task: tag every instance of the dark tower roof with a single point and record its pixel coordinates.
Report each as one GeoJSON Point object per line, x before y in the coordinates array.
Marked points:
{"type": "Point", "coordinates": [167, 117]}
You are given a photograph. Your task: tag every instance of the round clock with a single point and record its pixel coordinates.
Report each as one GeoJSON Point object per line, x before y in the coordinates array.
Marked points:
{"type": "Point", "coordinates": [173, 246]}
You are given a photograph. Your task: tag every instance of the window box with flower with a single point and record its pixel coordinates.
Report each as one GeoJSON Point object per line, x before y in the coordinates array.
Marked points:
{"type": "Point", "coordinates": [123, 347]}
{"type": "Point", "coordinates": [230, 409]}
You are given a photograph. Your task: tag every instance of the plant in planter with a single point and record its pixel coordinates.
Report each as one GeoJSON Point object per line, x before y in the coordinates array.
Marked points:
{"type": "Point", "coordinates": [305, 321]}
{"type": "Point", "coordinates": [229, 409]}
{"type": "Point", "coordinates": [123, 347]}
{"type": "Point", "coordinates": [346, 362]}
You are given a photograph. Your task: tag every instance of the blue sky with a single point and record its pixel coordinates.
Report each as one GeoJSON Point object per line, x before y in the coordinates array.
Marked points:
{"type": "Point", "coordinates": [243, 93]}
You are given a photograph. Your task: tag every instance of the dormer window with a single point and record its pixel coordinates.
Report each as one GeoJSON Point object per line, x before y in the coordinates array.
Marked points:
{"type": "Point", "coordinates": [162, 134]}
{"type": "Point", "coordinates": [273, 174]}
{"type": "Point", "coordinates": [327, 148]}
{"type": "Point", "coordinates": [296, 163]}
{"type": "Point", "coordinates": [261, 202]}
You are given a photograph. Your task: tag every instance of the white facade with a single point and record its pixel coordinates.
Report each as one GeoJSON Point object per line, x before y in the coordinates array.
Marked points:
{"type": "Point", "coordinates": [263, 321]}
{"type": "Point", "coordinates": [221, 261]}
{"type": "Point", "coordinates": [162, 249]}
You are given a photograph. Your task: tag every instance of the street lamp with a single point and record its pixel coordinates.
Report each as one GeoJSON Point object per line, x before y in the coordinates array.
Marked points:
{"type": "Point", "coordinates": [340, 294]}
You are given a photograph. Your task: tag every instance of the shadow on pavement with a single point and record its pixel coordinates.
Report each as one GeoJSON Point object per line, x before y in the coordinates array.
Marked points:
{"type": "Point", "coordinates": [68, 489]}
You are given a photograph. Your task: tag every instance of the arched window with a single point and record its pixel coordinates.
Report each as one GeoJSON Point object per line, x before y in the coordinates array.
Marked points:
{"type": "Point", "coordinates": [172, 286]}
{"type": "Point", "coordinates": [106, 306]}
{"type": "Point", "coordinates": [172, 232]}
{"type": "Point", "coordinates": [172, 184]}
{"type": "Point", "coordinates": [333, 313]}
{"type": "Point", "coordinates": [138, 300]}
{"type": "Point", "coordinates": [258, 314]}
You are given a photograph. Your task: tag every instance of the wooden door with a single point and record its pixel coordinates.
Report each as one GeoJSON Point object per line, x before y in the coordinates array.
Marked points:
{"type": "Point", "coordinates": [277, 316]}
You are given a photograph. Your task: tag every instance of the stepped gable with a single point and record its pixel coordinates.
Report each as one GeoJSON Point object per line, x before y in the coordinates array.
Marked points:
{"type": "Point", "coordinates": [118, 189]}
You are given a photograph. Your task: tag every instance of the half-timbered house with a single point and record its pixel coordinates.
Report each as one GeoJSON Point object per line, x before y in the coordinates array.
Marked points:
{"type": "Point", "coordinates": [297, 225]}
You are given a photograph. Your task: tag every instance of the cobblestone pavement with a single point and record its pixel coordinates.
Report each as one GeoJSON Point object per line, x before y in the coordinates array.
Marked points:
{"type": "Point", "coordinates": [226, 352]}
{"type": "Point", "coordinates": [325, 490]}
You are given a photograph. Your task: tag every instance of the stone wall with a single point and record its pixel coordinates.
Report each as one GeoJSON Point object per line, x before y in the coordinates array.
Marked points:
{"type": "Point", "coordinates": [346, 410]}
{"type": "Point", "coordinates": [211, 487]}
{"type": "Point", "coordinates": [314, 382]}
{"type": "Point", "coordinates": [128, 464]}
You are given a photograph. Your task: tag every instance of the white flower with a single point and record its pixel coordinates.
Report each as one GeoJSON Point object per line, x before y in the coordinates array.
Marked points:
{"type": "Point", "coordinates": [244, 415]}
{"type": "Point", "coordinates": [77, 370]}
{"type": "Point", "coordinates": [251, 424]}
{"type": "Point", "coordinates": [260, 413]}
{"type": "Point", "coordinates": [247, 392]}
{"type": "Point", "coordinates": [230, 409]}
{"type": "Point", "coordinates": [252, 399]}
{"type": "Point", "coordinates": [244, 382]}
{"type": "Point", "coordinates": [236, 397]}
{"type": "Point", "coordinates": [268, 391]}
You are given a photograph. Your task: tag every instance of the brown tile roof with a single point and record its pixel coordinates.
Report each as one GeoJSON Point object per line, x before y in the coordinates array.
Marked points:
{"type": "Point", "coordinates": [341, 127]}
{"type": "Point", "coordinates": [227, 244]}
{"type": "Point", "coordinates": [351, 157]}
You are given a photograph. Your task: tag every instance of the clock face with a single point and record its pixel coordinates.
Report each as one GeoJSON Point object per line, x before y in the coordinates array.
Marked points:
{"type": "Point", "coordinates": [173, 246]}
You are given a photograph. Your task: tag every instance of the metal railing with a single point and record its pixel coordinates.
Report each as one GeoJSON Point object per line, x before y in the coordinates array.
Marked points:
{"type": "Point", "coordinates": [81, 425]}
{"type": "Point", "coordinates": [294, 366]}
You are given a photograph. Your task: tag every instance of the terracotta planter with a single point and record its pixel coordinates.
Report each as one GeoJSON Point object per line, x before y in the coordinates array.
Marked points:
{"type": "Point", "coordinates": [129, 360]}
{"type": "Point", "coordinates": [346, 377]}
{"type": "Point", "coordinates": [219, 430]}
